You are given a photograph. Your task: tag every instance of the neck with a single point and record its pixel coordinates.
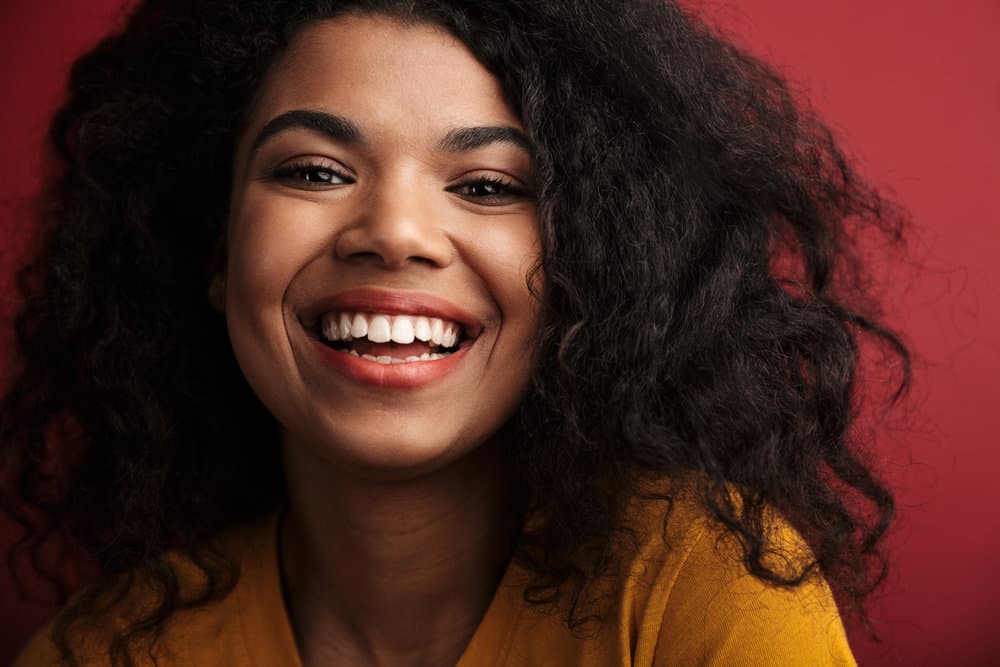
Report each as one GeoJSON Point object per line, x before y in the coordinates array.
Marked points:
{"type": "Point", "coordinates": [396, 572]}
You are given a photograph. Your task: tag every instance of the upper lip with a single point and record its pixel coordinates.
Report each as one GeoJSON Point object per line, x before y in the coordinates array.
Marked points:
{"type": "Point", "coordinates": [390, 302]}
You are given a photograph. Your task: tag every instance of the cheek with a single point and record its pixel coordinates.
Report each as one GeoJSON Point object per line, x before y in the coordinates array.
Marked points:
{"type": "Point", "coordinates": [271, 239]}
{"type": "Point", "coordinates": [505, 255]}
{"type": "Point", "coordinates": [264, 254]}
{"type": "Point", "coordinates": [509, 254]}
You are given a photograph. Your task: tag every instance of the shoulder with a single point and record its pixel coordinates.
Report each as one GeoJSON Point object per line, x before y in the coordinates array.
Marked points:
{"type": "Point", "coordinates": [703, 606]}
{"type": "Point", "coordinates": [213, 633]}
{"type": "Point", "coordinates": [40, 651]}
{"type": "Point", "coordinates": [680, 595]}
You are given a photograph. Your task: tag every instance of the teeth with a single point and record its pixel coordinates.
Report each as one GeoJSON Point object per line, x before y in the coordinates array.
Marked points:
{"type": "Point", "coordinates": [345, 326]}
{"type": "Point", "coordinates": [450, 336]}
{"type": "Point", "coordinates": [402, 330]}
{"type": "Point", "coordinates": [359, 327]}
{"type": "Point", "coordinates": [329, 325]}
{"type": "Point", "coordinates": [422, 329]}
{"type": "Point", "coordinates": [437, 329]}
{"type": "Point", "coordinates": [378, 328]}
{"type": "Point", "coordinates": [389, 361]}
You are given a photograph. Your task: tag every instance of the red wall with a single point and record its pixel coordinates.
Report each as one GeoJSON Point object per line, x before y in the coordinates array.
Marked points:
{"type": "Point", "coordinates": [914, 90]}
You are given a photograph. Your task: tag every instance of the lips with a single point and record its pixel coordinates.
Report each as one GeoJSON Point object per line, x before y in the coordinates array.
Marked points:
{"type": "Point", "coordinates": [372, 335]}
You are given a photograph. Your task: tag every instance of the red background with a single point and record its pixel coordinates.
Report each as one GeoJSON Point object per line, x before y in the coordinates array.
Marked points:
{"type": "Point", "coordinates": [913, 89]}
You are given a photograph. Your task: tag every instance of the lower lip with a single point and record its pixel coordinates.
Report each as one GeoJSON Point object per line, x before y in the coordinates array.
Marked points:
{"type": "Point", "coordinates": [407, 375]}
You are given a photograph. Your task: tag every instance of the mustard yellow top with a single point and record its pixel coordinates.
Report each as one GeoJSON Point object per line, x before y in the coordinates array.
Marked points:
{"type": "Point", "coordinates": [691, 604]}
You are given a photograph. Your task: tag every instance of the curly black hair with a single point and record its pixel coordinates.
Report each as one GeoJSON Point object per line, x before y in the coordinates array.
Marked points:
{"type": "Point", "coordinates": [701, 318]}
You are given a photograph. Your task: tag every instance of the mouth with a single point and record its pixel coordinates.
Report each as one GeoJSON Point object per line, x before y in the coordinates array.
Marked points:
{"type": "Point", "coordinates": [389, 339]}
{"type": "Point", "coordinates": [400, 329]}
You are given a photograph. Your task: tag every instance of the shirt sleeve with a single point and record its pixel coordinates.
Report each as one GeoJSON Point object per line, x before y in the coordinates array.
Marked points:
{"type": "Point", "coordinates": [718, 614]}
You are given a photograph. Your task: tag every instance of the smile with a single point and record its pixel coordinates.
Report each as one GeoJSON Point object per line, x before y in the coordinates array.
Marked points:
{"type": "Point", "coordinates": [390, 339]}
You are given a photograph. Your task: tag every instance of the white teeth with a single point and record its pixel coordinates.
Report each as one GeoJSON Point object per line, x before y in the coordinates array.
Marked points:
{"type": "Point", "coordinates": [378, 329]}
{"type": "Point", "coordinates": [437, 330]}
{"type": "Point", "coordinates": [450, 336]}
{"type": "Point", "coordinates": [422, 329]}
{"type": "Point", "coordinates": [402, 330]}
{"type": "Point", "coordinates": [386, 360]}
{"type": "Point", "coordinates": [345, 326]}
{"type": "Point", "coordinates": [359, 327]}
{"type": "Point", "coordinates": [329, 326]}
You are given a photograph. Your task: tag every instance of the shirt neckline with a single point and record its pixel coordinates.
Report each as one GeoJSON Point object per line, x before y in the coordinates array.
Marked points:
{"type": "Point", "coordinates": [263, 614]}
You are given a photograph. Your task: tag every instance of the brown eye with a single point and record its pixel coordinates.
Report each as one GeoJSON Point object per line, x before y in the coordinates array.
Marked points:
{"type": "Point", "coordinates": [486, 189]}
{"type": "Point", "coordinates": [316, 175]}
{"type": "Point", "coordinates": [310, 175]}
{"type": "Point", "coordinates": [489, 191]}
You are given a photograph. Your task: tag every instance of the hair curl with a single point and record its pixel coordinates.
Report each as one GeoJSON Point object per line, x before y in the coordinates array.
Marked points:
{"type": "Point", "coordinates": [677, 176]}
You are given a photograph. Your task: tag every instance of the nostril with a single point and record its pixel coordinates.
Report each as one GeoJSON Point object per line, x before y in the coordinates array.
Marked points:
{"type": "Point", "coordinates": [424, 260]}
{"type": "Point", "coordinates": [366, 255]}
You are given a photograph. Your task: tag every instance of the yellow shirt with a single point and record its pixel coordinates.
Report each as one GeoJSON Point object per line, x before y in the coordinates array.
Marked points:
{"type": "Point", "coordinates": [692, 604]}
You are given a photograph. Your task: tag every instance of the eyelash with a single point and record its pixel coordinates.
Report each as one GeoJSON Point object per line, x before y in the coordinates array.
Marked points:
{"type": "Point", "coordinates": [296, 174]}
{"type": "Point", "coordinates": [508, 190]}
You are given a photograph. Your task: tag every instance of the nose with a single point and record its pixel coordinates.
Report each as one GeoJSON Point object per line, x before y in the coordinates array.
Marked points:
{"type": "Point", "coordinates": [398, 224]}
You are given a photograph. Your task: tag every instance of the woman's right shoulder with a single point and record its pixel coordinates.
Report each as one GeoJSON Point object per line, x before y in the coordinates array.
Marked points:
{"type": "Point", "coordinates": [209, 631]}
{"type": "Point", "coordinates": [88, 638]}
{"type": "Point", "coordinates": [40, 650]}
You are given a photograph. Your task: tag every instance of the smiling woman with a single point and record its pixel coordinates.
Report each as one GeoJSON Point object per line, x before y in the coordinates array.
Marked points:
{"type": "Point", "coordinates": [424, 333]}
{"type": "Point", "coordinates": [384, 178]}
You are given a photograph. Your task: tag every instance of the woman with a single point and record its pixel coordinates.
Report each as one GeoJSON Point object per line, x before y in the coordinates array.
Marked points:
{"type": "Point", "coordinates": [424, 332]}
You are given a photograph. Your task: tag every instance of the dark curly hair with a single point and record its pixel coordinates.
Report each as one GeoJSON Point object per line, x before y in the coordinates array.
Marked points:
{"type": "Point", "coordinates": [701, 310]}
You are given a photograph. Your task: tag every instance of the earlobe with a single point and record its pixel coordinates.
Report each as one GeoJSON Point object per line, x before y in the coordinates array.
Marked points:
{"type": "Point", "coordinates": [217, 291]}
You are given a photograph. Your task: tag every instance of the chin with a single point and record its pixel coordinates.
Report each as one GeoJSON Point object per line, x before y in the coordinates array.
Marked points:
{"type": "Point", "coordinates": [389, 455]}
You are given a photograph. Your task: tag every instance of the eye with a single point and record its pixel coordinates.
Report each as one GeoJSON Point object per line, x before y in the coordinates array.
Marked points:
{"type": "Point", "coordinates": [310, 174]}
{"type": "Point", "coordinates": [490, 191]}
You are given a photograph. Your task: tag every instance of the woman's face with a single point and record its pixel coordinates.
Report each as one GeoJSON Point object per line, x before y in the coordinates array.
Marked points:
{"type": "Point", "coordinates": [381, 230]}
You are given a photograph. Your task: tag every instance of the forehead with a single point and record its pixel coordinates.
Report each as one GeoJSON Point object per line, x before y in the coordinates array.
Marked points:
{"type": "Point", "coordinates": [386, 75]}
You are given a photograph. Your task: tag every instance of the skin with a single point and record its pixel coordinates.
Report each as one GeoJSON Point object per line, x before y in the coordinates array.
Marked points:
{"type": "Point", "coordinates": [398, 528]}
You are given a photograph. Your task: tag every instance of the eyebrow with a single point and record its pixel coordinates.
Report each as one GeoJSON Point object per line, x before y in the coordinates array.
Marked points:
{"type": "Point", "coordinates": [471, 138]}
{"type": "Point", "coordinates": [341, 129]}
{"type": "Point", "coordinates": [331, 125]}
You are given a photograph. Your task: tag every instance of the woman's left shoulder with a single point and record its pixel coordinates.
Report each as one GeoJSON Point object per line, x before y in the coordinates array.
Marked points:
{"type": "Point", "coordinates": [692, 599]}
